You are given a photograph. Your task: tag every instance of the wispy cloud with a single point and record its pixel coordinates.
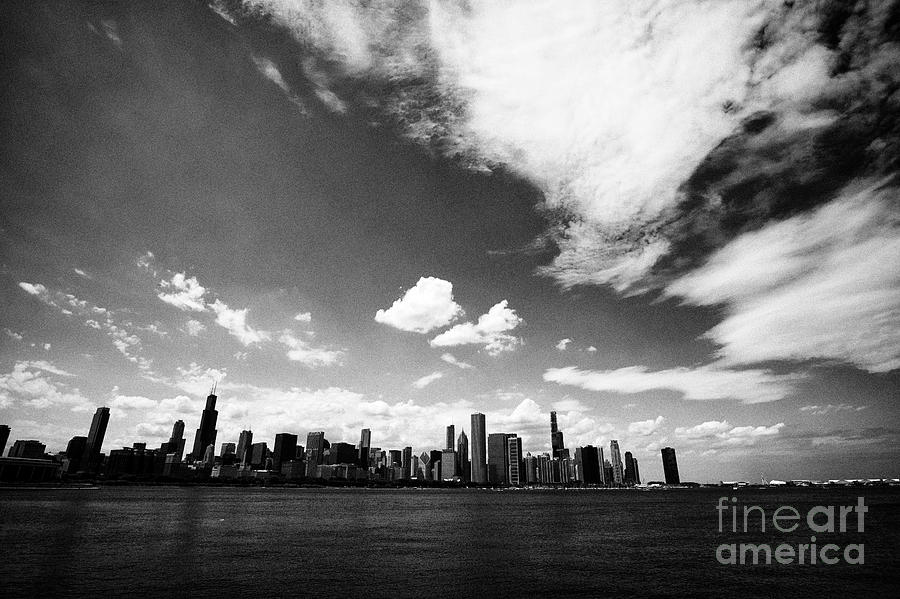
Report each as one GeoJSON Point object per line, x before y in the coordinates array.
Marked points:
{"type": "Point", "coordinates": [451, 359]}
{"type": "Point", "coordinates": [308, 354]}
{"type": "Point", "coordinates": [563, 344]}
{"type": "Point", "coordinates": [183, 292]}
{"type": "Point", "coordinates": [701, 383]}
{"type": "Point", "coordinates": [426, 380]}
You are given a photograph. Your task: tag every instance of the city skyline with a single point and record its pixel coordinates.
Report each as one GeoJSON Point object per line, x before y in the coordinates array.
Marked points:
{"type": "Point", "coordinates": [357, 215]}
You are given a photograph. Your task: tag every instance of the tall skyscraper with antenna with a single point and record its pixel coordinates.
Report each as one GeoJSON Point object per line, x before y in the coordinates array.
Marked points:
{"type": "Point", "coordinates": [556, 438]}
{"type": "Point", "coordinates": [206, 434]}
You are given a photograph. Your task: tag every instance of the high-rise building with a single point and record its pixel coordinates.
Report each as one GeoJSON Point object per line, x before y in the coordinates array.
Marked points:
{"type": "Point", "coordinates": [451, 437]}
{"type": "Point", "coordinates": [209, 456]}
{"type": "Point", "coordinates": [365, 442]}
{"type": "Point", "coordinates": [531, 469]}
{"type": "Point", "coordinates": [206, 434]}
{"type": "Point", "coordinates": [285, 450]}
{"type": "Point", "coordinates": [462, 456]}
{"type": "Point", "coordinates": [516, 467]}
{"type": "Point", "coordinates": [590, 465]}
{"type": "Point", "coordinates": [602, 460]}
{"type": "Point", "coordinates": [670, 466]}
{"type": "Point", "coordinates": [245, 440]}
{"type": "Point", "coordinates": [315, 447]}
{"type": "Point", "coordinates": [479, 450]}
{"type": "Point", "coordinates": [448, 464]}
{"type": "Point", "coordinates": [498, 456]}
{"type": "Point", "coordinates": [637, 473]}
{"type": "Point", "coordinates": [227, 449]}
{"type": "Point", "coordinates": [4, 437]}
{"type": "Point", "coordinates": [259, 452]}
{"type": "Point", "coordinates": [407, 464]}
{"type": "Point", "coordinates": [91, 460]}
{"type": "Point", "coordinates": [629, 468]}
{"type": "Point", "coordinates": [75, 453]}
{"type": "Point", "coordinates": [176, 441]}
{"type": "Point", "coordinates": [425, 465]}
{"type": "Point", "coordinates": [556, 438]}
{"type": "Point", "coordinates": [618, 473]}
{"type": "Point", "coordinates": [607, 472]}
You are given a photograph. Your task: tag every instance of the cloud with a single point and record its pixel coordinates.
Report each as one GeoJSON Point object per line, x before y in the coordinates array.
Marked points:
{"type": "Point", "coordinates": [307, 354]}
{"type": "Point", "coordinates": [816, 410]}
{"type": "Point", "coordinates": [563, 343]}
{"type": "Point", "coordinates": [303, 317]}
{"type": "Point", "coordinates": [427, 380]}
{"type": "Point", "coordinates": [426, 306]}
{"type": "Point", "coordinates": [133, 402]}
{"type": "Point", "coordinates": [35, 289]}
{"type": "Point", "coordinates": [591, 348]}
{"type": "Point", "coordinates": [645, 428]}
{"type": "Point", "coordinates": [819, 285]}
{"type": "Point", "coordinates": [451, 359]}
{"type": "Point", "coordinates": [701, 383]}
{"type": "Point", "coordinates": [13, 335]}
{"type": "Point", "coordinates": [715, 434]}
{"type": "Point", "coordinates": [194, 327]}
{"type": "Point", "coordinates": [186, 293]}
{"type": "Point", "coordinates": [235, 322]}
{"type": "Point", "coordinates": [491, 331]}
{"type": "Point", "coordinates": [28, 384]}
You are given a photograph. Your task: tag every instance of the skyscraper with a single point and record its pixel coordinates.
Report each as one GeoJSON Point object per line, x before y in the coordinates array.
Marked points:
{"type": "Point", "coordinates": [479, 446]}
{"type": "Point", "coordinates": [448, 464]}
{"type": "Point", "coordinates": [516, 474]}
{"type": "Point", "coordinates": [315, 447]}
{"type": "Point", "coordinates": [451, 437]}
{"type": "Point", "coordinates": [245, 440]}
{"type": "Point", "coordinates": [629, 468]}
{"type": "Point", "coordinates": [176, 441]}
{"type": "Point", "coordinates": [616, 457]}
{"type": "Point", "coordinates": [670, 466]}
{"type": "Point", "coordinates": [285, 450]}
{"type": "Point", "coordinates": [365, 442]}
{"type": "Point", "coordinates": [75, 453]}
{"type": "Point", "coordinates": [637, 473]}
{"type": "Point", "coordinates": [4, 437]}
{"type": "Point", "coordinates": [258, 454]}
{"type": "Point", "coordinates": [91, 459]}
{"type": "Point", "coordinates": [556, 438]}
{"type": "Point", "coordinates": [206, 434]}
{"type": "Point", "coordinates": [498, 464]}
{"type": "Point", "coordinates": [407, 463]}
{"type": "Point", "coordinates": [462, 456]}
{"type": "Point", "coordinates": [590, 465]}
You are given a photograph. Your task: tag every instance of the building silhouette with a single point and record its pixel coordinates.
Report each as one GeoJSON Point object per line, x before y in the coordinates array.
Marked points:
{"type": "Point", "coordinates": [618, 474]}
{"type": "Point", "coordinates": [206, 434]}
{"type": "Point", "coordinates": [175, 444]}
{"type": "Point", "coordinates": [462, 456]}
{"type": "Point", "coordinates": [4, 437]}
{"type": "Point", "coordinates": [637, 473]}
{"type": "Point", "coordinates": [629, 468]}
{"type": "Point", "coordinates": [75, 453]}
{"type": "Point", "coordinates": [451, 437]}
{"type": "Point", "coordinates": [365, 442]}
{"type": "Point", "coordinates": [556, 438]}
{"type": "Point", "coordinates": [285, 450]}
{"type": "Point", "coordinates": [590, 465]}
{"type": "Point", "coordinates": [407, 462]}
{"type": "Point", "coordinates": [315, 447]}
{"type": "Point", "coordinates": [498, 464]}
{"type": "Point", "coordinates": [29, 448]}
{"type": "Point", "coordinates": [245, 440]}
{"type": "Point", "coordinates": [479, 450]}
{"type": "Point", "coordinates": [91, 459]}
{"type": "Point", "coordinates": [670, 466]}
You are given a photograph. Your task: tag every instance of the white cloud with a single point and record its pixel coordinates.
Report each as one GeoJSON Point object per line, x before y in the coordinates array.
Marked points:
{"type": "Point", "coordinates": [194, 327]}
{"type": "Point", "coordinates": [427, 380]}
{"type": "Point", "coordinates": [235, 322]}
{"type": "Point", "coordinates": [307, 354]}
{"type": "Point", "coordinates": [563, 343]}
{"type": "Point", "coordinates": [821, 285]}
{"type": "Point", "coordinates": [426, 306]}
{"type": "Point", "coordinates": [451, 359]}
{"type": "Point", "coordinates": [34, 289]}
{"type": "Point", "coordinates": [701, 383]}
{"type": "Point", "coordinates": [28, 384]}
{"type": "Point", "coordinates": [182, 292]}
{"type": "Point", "coordinates": [714, 434]}
{"type": "Point", "coordinates": [817, 410]}
{"type": "Point", "coordinates": [491, 331]}
{"type": "Point", "coordinates": [303, 317]}
{"type": "Point", "coordinates": [645, 428]}
{"type": "Point", "coordinates": [591, 348]}
{"type": "Point", "coordinates": [133, 402]}
{"type": "Point", "coordinates": [13, 335]}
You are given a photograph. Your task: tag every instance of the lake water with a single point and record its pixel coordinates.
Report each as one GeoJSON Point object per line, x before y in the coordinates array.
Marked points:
{"type": "Point", "coordinates": [264, 542]}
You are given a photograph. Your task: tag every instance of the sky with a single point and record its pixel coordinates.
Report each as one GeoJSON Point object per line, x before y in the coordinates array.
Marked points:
{"type": "Point", "coordinates": [673, 223]}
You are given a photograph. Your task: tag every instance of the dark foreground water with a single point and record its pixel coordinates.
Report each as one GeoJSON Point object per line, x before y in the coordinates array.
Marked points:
{"type": "Point", "coordinates": [232, 542]}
